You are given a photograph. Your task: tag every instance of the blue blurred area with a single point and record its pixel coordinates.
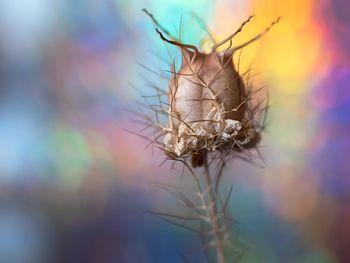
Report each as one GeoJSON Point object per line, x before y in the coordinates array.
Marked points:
{"type": "Point", "coordinates": [64, 68]}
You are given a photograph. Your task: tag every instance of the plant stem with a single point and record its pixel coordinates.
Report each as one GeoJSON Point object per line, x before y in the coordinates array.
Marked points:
{"type": "Point", "coordinates": [214, 217]}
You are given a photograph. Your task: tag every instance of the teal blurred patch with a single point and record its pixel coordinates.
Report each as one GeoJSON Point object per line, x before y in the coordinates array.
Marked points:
{"type": "Point", "coordinates": [70, 155]}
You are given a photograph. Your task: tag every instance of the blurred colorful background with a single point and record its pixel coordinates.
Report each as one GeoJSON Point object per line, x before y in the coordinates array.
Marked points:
{"type": "Point", "coordinates": [74, 186]}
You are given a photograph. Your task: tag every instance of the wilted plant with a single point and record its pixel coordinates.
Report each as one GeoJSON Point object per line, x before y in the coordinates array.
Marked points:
{"type": "Point", "coordinates": [212, 117]}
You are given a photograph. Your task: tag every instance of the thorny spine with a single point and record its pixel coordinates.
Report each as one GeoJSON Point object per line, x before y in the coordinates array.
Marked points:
{"type": "Point", "coordinates": [212, 214]}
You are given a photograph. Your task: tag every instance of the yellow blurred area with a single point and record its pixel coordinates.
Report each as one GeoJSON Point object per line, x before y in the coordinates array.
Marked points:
{"type": "Point", "coordinates": [292, 51]}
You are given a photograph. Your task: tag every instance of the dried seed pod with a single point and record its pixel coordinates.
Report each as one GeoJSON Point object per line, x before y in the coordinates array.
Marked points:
{"type": "Point", "coordinates": [209, 105]}
{"type": "Point", "coordinates": [206, 103]}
